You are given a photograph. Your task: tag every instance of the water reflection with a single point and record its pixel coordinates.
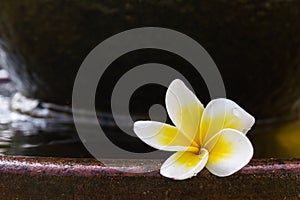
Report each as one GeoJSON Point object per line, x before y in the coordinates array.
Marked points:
{"type": "Point", "coordinates": [23, 135]}
{"type": "Point", "coordinates": [35, 135]}
{"type": "Point", "coordinates": [281, 140]}
{"type": "Point", "coordinates": [46, 132]}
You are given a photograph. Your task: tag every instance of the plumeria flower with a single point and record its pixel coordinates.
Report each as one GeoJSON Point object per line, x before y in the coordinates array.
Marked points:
{"type": "Point", "coordinates": [211, 137]}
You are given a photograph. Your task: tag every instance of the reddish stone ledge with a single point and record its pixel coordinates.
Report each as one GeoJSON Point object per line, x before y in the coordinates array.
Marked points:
{"type": "Point", "coordinates": [65, 178]}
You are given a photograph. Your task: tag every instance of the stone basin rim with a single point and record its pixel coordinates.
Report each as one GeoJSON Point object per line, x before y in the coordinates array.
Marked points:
{"type": "Point", "coordinates": [68, 178]}
{"type": "Point", "coordinates": [52, 166]}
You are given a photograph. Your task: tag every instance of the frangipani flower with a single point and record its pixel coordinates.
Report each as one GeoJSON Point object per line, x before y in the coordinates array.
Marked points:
{"type": "Point", "coordinates": [211, 137]}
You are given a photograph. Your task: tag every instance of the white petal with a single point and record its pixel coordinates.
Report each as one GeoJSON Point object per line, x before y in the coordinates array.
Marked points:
{"type": "Point", "coordinates": [162, 136]}
{"type": "Point", "coordinates": [183, 165]}
{"type": "Point", "coordinates": [184, 109]}
{"type": "Point", "coordinates": [230, 153]}
{"type": "Point", "coordinates": [223, 113]}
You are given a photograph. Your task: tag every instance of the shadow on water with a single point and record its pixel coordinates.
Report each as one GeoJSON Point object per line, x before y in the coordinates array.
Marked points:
{"type": "Point", "coordinates": [55, 135]}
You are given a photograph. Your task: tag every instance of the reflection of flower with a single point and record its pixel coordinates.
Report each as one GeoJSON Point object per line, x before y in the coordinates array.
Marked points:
{"type": "Point", "coordinates": [213, 137]}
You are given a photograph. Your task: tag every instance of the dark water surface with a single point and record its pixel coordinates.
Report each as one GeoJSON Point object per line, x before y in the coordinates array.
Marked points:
{"type": "Point", "coordinates": [36, 135]}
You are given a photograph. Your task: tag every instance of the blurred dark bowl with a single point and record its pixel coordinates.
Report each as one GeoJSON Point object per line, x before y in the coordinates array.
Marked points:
{"type": "Point", "coordinates": [255, 44]}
